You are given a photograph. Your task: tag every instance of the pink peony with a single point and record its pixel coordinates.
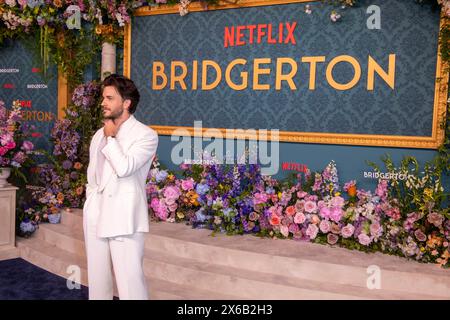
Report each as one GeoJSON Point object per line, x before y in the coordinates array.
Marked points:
{"type": "Point", "coordinates": [336, 214]}
{"type": "Point", "coordinates": [315, 219]}
{"type": "Point", "coordinates": [347, 231]}
{"type": "Point", "coordinates": [171, 193]}
{"type": "Point", "coordinates": [260, 198]}
{"type": "Point", "coordinates": [187, 184]}
{"type": "Point", "coordinates": [310, 207]}
{"type": "Point", "coordinates": [337, 202]}
{"type": "Point", "coordinates": [325, 226]}
{"type": "Point", "coordinates": [364, 239]}
{"type": "Point", "coordinates": [172, 207]}
{"type": "Point", "coordinates": [325, 212]}
{"type": "Point", "coordinates": [299, 218]}
{"type": "Point", "coordinates": [312, 231]}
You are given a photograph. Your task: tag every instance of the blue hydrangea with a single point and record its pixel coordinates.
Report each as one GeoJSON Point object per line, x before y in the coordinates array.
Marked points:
{"type": "Point", "coordinates": [27, 226]}
{"type": "Point", "coordinates": [200, 216]}
{"type": "Point", "coordinates": [202, 189]}
{"type": "Point", "coordinates": [161, 176]}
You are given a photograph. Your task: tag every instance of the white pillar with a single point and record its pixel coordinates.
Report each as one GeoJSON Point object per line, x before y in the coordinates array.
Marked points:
{"type": "Point", "coordinates": [108, 59]}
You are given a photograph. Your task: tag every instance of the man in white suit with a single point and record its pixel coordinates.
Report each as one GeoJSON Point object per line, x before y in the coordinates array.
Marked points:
{"type": "Point", "coordinates": [115, 214]}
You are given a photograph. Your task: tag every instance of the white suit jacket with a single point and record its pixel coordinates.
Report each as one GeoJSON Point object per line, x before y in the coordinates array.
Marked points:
{"type": "Point", "coordinates": [120, 195]}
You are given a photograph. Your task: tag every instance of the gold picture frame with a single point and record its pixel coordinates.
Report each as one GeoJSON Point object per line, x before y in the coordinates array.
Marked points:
{"type": "Point", "coordinates": [423, 142]}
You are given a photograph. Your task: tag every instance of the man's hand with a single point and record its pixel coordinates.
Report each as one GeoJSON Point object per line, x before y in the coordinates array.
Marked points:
{"type": "Point", "coordinates": [111, 127]}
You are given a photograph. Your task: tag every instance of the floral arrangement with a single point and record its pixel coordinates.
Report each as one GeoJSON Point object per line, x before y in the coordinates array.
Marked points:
{"type": "Point", "coordinates": [62, 179]}
{"type": "Point", "coordinates": [15, 148]}
{"type": "Point", "coordinates": [239, 200]}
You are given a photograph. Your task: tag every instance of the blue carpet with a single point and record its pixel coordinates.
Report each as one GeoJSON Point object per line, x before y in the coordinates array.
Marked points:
{"type": "Point", "coordinates": [21, 280]}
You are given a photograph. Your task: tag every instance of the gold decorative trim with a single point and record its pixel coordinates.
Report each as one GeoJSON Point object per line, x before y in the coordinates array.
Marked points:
{"type": "Point", "coordinates": [439, 109]}
{"type": "Point", "coordinates": [63, 94]}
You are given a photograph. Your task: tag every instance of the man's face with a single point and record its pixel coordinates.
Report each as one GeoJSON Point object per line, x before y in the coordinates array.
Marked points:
{"type": "Point", "coordinates": [112, 104]}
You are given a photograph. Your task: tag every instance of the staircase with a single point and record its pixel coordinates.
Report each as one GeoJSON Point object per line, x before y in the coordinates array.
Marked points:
{"type": "Point", "coordinates": [185, 263]}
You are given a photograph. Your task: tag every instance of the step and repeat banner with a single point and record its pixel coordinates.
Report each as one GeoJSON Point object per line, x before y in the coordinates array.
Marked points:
{"type": "Point", "coordinates": [22, 79]}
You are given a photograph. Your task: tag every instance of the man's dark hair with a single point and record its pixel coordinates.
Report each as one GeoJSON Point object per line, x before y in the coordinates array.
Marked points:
{"type": "Point", "coordinates": [126, 88]}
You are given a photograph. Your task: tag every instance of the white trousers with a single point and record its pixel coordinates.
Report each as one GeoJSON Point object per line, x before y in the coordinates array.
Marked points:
{"type": "Point", "coordinates": [125, 254]}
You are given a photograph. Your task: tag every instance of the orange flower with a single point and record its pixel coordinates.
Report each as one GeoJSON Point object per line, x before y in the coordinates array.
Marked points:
{"type": "Point", "coordinates": [54, 209]}
{"type": "Point", "coordinates": [77, 165]}
{"type": "Point", "coordinates": [57, 3]}
{"type": "Point", "coordinates": [352, 191]}
{"type": "Point", "coordinates": [60, 197]}
{"type": "Point", "coordinates": [79, 190]}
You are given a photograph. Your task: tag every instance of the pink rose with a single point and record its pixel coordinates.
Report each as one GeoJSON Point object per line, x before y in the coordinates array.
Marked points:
{"type": "Point", "coordinates": [310, 206]}
{"type": "Point", "coordinates": [312, 231]}
{"type": "Point", "coordinates": [300, 205]}
{"type": "Point", "coordinates": [335, 228]}
{"type": "Point", "coordinates": [325, 226]}
{"type": "Point", "coordinates": [301, 194]}
{"type": "Point", "coordinates": [274, 220]}
{"type": "Point", "coordinates": [172, 207]}
{"type": "Point", "coordinates": [27, 146]}
{"type": "Point", "coordinates": [187, 184]}
{"type": "Point", "coordinates": [299, 218]}
{"type": "Point", "coordinates": [420, 235]}
{"type": "Point", "coordinates": [315, 219]}
{"type": "Point", "coordinates": [337, 202]}
{"type": "Point", "coordinates": [435, 218]}
{"type": "Point", "coordinates": [325, 212]}
{"type": "Point", "coordinates": [284, 231]}
{"type": "Point", "coordinates": [347, 231]}
{"type": "Point", "coordinates": [375, 229]}
{"type": "Point", "coordinates": [332, 238]}
{"type": "Point", "coordinates": [336, 214]}
{"type": "Point", "coordinates": [364, 239]}
{"type": "Point", "coordinates": [171, 192]}
{"type": "Point", "coordinates": [290, 211]}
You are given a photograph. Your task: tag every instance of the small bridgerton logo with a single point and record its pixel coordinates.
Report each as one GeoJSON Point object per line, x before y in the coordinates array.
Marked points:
{"type": "Point", "coordinates": [235, 147]}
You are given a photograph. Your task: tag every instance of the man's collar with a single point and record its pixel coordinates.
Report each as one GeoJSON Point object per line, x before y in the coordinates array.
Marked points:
{"type": "Point", "coordinates": [124, 127]}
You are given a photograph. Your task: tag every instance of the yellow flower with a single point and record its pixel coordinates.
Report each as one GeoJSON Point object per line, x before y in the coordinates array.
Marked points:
{"type": "Point", "coordinates": [428, 192]}
{"type": "Point", "coordinates": [180, 214]}
{"type": "Point", "coordinates": [279, 195]}
{"type": "Point", "coordinates": [337, 194]}
{"type": "Point", "coordinates": [422, 249]}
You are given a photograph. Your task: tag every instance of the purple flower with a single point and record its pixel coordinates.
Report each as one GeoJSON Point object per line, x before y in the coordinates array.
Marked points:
{"type": "Point", "coordinates": [67, 164]}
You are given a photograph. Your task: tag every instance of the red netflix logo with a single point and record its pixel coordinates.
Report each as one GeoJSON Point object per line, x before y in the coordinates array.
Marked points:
{"type": "Point", "coordinates": [9, 86]}
{"type": "Point", "coordinates": [242, 35]}
{"type": "Point", "coordinates": [25, 103]}
{"type": "Point", "coordinates": [294, 166]}
{"type": "Point", "coordinates": [35, 70]}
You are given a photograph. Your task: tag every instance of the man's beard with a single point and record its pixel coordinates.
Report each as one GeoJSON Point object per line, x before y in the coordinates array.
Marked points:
{"type": "Point", "coordinates": [114, 115]}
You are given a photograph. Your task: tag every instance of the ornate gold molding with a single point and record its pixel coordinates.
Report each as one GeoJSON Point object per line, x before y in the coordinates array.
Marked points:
{"type": "Point", "coordinates": [439, 109]}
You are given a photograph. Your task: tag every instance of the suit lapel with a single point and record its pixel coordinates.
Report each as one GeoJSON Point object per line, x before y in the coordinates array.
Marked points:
{"type": "Point", "coordinates": [122, 136]}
